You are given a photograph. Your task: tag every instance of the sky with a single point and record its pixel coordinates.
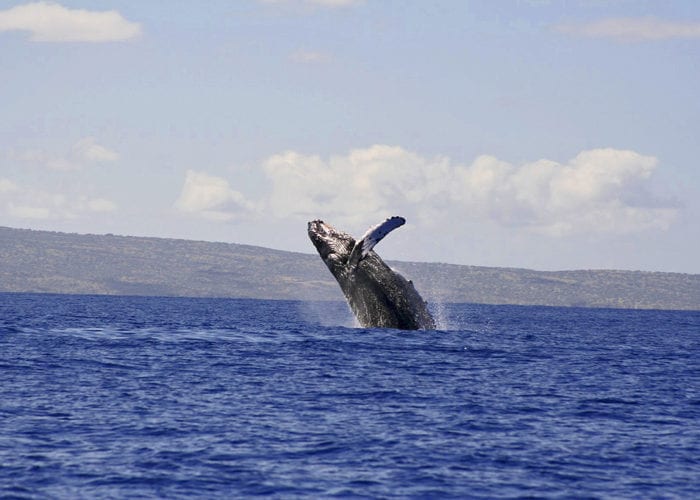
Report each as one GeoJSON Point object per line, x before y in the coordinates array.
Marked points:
{"type": "Point", "coordinates": [549, 135]}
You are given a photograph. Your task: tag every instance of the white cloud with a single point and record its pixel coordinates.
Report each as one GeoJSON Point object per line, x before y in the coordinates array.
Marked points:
{"type": "Point", "coordinates": [600, 190]}
{"type": "Point", "coordinates": [332, 4]}
{"type": "Point", "coordinates": [310, 57]}
{"type": "Point", "coordinates": [211, 197]}
{"type": "Point", "coordinates": [51, 22]}
{"type": "Point", "coordinates": [633, 29]}
{"type": "Point", "coordinates": [336, 3]}
{"type": "Point", "coordinates": [25, 203]}
{"type": "Point", "coordinates": [83, 153]}
{"type": "Point", "coordinates": [99, 205]}
{"type": "Point", "coordinates": [28, 211]}
{"type": "Point", "coordinates": [88, 150]}
{"type": "Point", "coordinates": [7, 186]}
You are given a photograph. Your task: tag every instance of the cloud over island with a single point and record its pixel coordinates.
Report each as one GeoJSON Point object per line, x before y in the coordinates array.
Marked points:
{"type": "Point", "coordinates": [67, 200]}
{"type": "Point", "coordinates": [599, 190]}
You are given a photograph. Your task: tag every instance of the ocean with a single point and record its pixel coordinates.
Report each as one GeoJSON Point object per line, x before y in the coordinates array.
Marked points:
{"type": "Point", "coordinates": [135, 397]}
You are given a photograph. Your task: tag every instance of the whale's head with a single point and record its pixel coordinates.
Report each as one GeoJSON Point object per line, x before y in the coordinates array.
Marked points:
{"type": "Point", "coordinates": [333, 246]}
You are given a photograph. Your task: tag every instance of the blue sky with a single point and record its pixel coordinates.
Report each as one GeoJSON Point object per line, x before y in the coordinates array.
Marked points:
{"type": "Point", "coordinates": [540, 134]}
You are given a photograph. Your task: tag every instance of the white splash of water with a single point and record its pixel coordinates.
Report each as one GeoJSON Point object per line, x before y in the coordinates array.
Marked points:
{"type": "Point", "coordinates": [439, 312]}
{"type": "Point", "coordinates": [327, 313]}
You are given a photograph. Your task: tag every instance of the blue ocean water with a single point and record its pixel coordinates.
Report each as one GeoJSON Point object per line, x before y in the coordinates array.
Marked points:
{"type": "Point", "coordinates": [126, 397]}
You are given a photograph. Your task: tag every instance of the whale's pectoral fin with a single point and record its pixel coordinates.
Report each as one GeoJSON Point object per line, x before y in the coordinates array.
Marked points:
{"type": "Point", "coordinates": [374, 235]}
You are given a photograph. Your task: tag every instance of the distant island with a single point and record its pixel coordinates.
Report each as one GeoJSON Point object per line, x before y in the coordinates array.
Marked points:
{"type": "Point", "coordinates": [52, 262]}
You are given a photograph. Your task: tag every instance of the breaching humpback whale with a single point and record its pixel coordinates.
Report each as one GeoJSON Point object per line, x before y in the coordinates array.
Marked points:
{"type": "Point", "coordinates": [379, 296]}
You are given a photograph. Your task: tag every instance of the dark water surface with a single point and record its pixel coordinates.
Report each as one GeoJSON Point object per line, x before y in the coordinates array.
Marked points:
{"type": "Point", "coordinates": [128, 397]}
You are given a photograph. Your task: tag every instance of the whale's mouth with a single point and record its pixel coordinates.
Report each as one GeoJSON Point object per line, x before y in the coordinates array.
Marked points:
{"type": "Point", "coordinates": [320, 235]}
{"type": "Point", "coordinates": [329, 240]}
{"type": "Point", "coordinates": [316, 225]}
